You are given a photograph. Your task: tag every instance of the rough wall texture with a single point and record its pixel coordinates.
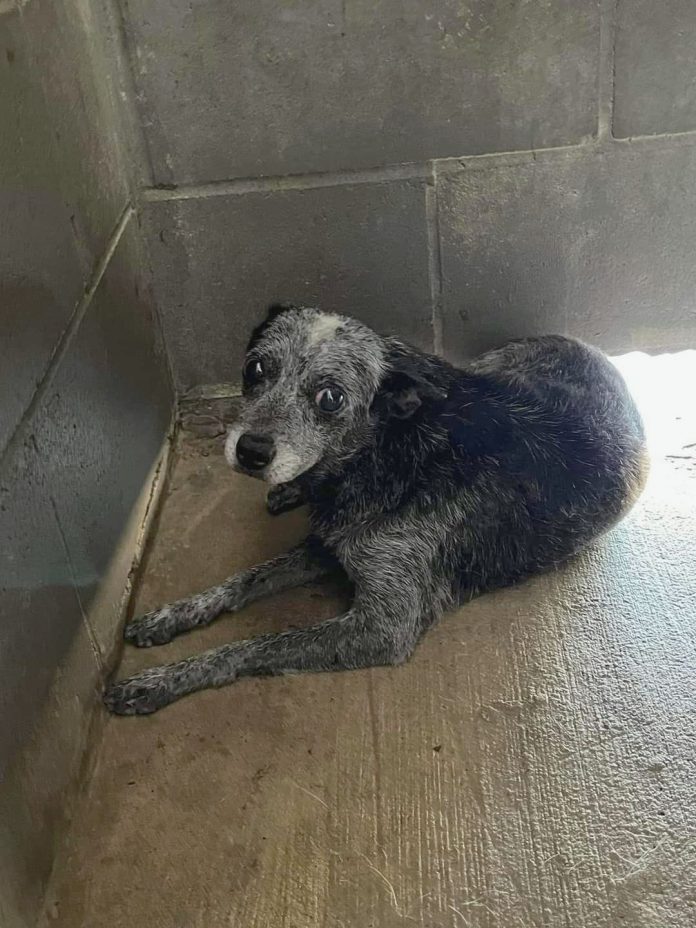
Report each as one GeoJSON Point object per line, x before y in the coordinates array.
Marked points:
{"type": "Point", "coordinates": [84, 407]}
{"type": "Point", "coordinates": [458, 172]}
{"type": "Point", "coordinates": [260, 87]}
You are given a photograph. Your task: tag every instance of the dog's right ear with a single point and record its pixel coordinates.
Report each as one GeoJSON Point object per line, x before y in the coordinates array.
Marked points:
{"type": "Point", "coordinates": [273, 311]}
{"type": "Point", "coordinates": [406, 387]}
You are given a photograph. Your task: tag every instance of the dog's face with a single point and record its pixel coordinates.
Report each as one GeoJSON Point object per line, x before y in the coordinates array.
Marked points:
{"type": "Point", "coordinates": [309, 381]}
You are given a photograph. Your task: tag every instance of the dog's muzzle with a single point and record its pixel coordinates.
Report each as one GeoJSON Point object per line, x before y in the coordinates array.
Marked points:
{"type": "Point", "coordinates": [254, 452]}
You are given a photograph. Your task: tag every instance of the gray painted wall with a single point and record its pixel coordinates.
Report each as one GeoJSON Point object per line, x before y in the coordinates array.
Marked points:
{"type": "Point", "coordinates": [459, 171]}
{"type": "Point", "coordinates": [84, 407]}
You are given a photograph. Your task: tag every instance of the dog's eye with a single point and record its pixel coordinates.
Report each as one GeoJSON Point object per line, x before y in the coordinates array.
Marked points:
{"type": "Point", "coordinates": [330, 399]}
{"type": "Point", "coordinates": [253, 372]}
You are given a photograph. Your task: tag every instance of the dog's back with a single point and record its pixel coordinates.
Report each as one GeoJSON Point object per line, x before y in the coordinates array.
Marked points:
{"type": "Point", "coordinates": [558, 445]}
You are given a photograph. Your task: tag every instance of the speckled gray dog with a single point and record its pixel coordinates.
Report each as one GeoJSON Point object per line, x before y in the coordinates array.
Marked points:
{"type": "Point", "coordinates": [426, 484]}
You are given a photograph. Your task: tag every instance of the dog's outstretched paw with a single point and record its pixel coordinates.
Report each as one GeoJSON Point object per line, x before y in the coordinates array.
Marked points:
{"type": "Point", "coordinates": [283, 498]}
{"type": "Point", "coordinates": [157, 627]}
{"type": "Point", "coordinates": [139, 695]}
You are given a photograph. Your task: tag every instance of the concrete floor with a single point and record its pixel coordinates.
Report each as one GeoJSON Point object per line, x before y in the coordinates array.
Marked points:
{"type": "Point", "coordinates": [533, 765]}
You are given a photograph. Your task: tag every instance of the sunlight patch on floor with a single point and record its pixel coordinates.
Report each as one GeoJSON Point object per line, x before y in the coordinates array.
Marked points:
{"type": "Point", "coordinates": [664, 387]}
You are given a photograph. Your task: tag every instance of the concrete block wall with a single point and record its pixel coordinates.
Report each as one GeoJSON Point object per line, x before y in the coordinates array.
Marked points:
{"type": "Point", "coordinates": [85, 403]}
{"type": "Point", "coordinates": [458, 172]}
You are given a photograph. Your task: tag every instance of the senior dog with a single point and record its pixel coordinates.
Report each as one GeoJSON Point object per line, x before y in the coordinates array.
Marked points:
{"type": "Point", "coordinates": [427, 484]}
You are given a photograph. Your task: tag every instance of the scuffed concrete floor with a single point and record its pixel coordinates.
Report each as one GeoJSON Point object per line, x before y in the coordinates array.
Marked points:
{"type": "Point", "coordinates": [533, 765]}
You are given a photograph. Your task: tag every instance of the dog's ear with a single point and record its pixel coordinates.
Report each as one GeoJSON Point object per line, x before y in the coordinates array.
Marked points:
{"type": "Point", "coordinates": [273, 311]}
{"type": "Point", "coordinates": [405, 388]}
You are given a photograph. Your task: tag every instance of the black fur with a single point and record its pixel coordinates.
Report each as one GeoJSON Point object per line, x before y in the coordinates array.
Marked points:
{"type": "Point", "coordinates": [273, 311]}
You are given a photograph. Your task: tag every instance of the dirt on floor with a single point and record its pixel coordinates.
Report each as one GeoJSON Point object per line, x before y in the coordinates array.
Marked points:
{"type": "Point", "coordinates": [532, 765]}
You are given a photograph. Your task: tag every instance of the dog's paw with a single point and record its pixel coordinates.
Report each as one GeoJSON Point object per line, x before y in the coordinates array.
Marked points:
{"type": "Point", "coordinates": [283, 498]}
{"type": "Point", "coordinates": [139, 695]}
{"type": "Point", "coordinates": [158, 627]}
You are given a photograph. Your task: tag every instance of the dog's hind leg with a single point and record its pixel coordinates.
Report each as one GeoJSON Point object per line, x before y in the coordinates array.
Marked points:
{"type": "Point", "coordinates": [302, 564]}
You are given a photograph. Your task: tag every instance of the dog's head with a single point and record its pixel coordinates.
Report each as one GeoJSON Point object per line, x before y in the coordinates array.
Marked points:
{"type": "Point", "coordinates": [314, 386]}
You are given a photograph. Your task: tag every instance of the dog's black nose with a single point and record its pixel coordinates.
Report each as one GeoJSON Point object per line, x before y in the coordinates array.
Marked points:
{"type": "Point", "coordinates": [254, 452]}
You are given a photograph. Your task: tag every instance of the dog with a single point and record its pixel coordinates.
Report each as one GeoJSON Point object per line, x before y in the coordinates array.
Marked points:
{"type": "Point", "coordinates": [426, 484]}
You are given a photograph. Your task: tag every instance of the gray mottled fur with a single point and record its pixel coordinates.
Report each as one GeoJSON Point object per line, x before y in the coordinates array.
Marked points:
{"type": "Point", "coordinates": [430, 485]}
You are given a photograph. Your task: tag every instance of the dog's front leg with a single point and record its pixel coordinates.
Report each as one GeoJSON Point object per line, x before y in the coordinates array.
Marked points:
{"type": "Point", "coordinates": [397, 596]}
{"type": "Point", "coordinates": [306, 562]}
{"type": "Point", "coordinates": [350, 641]}
{"type": "Point", "coordinates": [284, 497]}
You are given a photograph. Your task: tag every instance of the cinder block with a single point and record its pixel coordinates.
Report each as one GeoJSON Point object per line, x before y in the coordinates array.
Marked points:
{"type": "Point", "coordinates": [218, 261]}
{"type": "Point", "coordinates": [99, 432]}
{"type": "Point", "coordinates": [655, 67]}
{"type": "Point", "coordinates": [39, 608]}
{"type": "Point", "coordinates": [63, 180]}
{"type": "Point", "coordinates": [597, 246]}
{"type": "Point", "coordinates": [258, 87]}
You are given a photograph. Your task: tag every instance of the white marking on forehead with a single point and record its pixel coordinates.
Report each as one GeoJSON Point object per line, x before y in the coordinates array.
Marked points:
{"type": "Point", "coordinates": [323, 328]}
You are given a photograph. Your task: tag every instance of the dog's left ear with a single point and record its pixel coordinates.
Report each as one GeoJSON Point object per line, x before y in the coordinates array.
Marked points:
{"type": "Point", "coordinates": [405, 388]}
{"type": "Point", "coordinates": [275, 309]}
